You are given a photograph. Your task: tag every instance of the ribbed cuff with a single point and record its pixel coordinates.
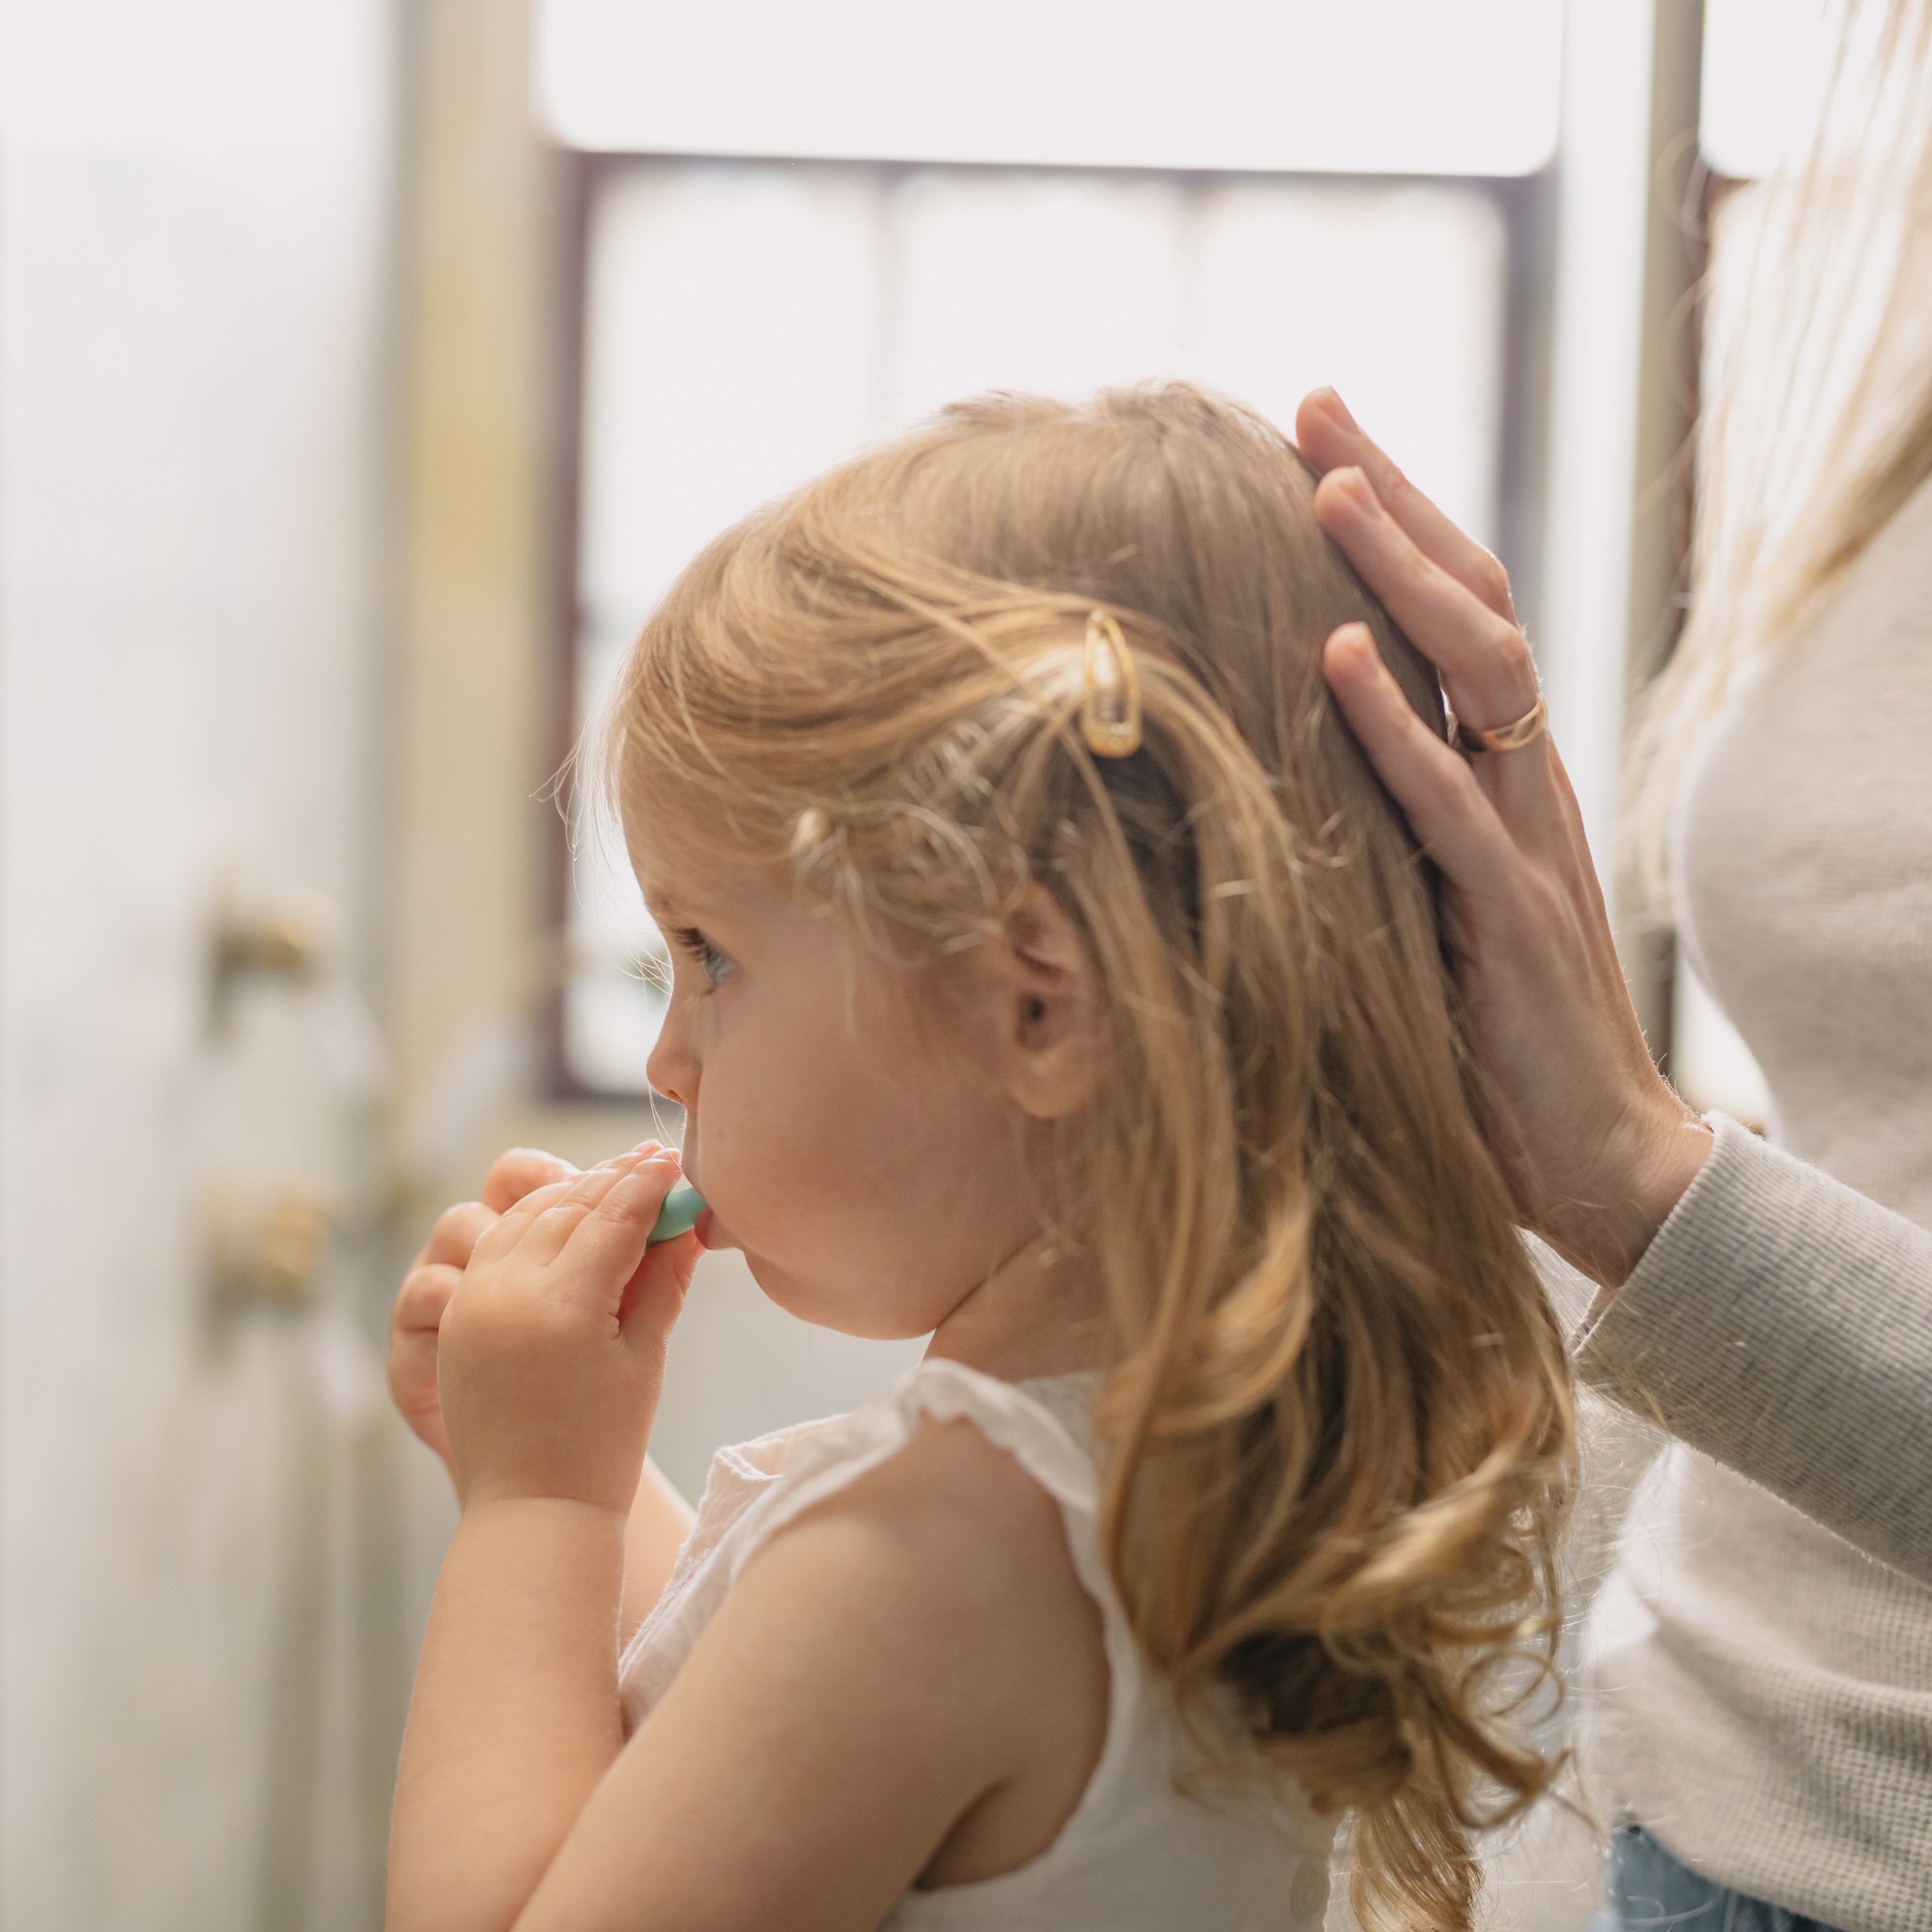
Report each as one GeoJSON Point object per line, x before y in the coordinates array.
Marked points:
{"type": "Point", "coordinates": [1783, 1324]}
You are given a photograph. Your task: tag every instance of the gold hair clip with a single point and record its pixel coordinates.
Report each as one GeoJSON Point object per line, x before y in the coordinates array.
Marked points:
{"type": "Point", "coordinates": [1110, 700]}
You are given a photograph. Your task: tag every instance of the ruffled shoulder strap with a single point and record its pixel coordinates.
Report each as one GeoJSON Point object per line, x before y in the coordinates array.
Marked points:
{"type": "Point", "coordinates": [1042, 1425]}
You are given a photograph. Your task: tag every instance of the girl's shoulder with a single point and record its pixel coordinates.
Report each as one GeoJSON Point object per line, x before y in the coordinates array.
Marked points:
{"type": "Point", "coordinates": [970, 1473]}
{"type": "Point", "coordinates": [950, 1533]}
{"type": "Point", "coordinates": [950, 1529]}
{"type": "Point", "coordinates": [1014, 1464]}
{"type": "Point", "coordinates": [972, 1538]}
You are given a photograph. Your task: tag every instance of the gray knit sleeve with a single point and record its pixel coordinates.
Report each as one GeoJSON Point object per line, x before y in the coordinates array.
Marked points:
{"type": "Point", "coordinates": [1783, 1324]}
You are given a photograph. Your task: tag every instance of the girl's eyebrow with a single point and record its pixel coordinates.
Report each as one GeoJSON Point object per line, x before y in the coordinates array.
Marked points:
{"type": "Point", "coordinates": [670, 904]}
{"type": "Point", "coordinates": [668, 909]}
{"type": "Point", "coordinates": [667, 903]}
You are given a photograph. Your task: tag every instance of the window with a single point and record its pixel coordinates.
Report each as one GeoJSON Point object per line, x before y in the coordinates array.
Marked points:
{"type": "Point", "coordinates": [749, 318]}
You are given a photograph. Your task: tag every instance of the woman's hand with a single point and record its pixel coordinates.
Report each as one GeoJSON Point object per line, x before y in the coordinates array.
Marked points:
{"type": "Point", "coordinates": [551, 1355]}
{"type": "Point", "coordinates": [1595, 1146]}
{"type": "Point", "coordinates": [416, 1313]}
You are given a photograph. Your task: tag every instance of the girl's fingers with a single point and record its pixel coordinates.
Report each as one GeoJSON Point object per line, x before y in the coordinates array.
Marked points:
{"type": "Point", "coordinates": [422, 1297]}
{"type": "Point", "coordinates": [1484, 658]}
{"type": "Point", "coordinates": [516, 1221]}
{"type": "Point", "coordinates": [1330, 438]}
{"type": "Point", "coordinates": [611, 1239]}
{"type": "Point", "coordinates": [414, 1324]}
{"type": "Point", "coordinates": [546, 1219]}
{"type": "Point", "coordinates": [454, 1237]}
{"type": "Point", "coordinates": [520, 1171]}
{"type": "Point", "coordinates": [530, 1182]}
{"type": "Point", "coordinates": [1455, 823]}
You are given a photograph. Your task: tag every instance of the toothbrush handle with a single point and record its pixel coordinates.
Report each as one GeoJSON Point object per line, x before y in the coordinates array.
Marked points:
{"type": "Point", "coordinates": [683, 1204]}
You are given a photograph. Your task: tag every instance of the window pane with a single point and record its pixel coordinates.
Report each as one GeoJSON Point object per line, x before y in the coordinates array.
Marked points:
{"type": "Point", "coordinates": [1298, 285]}
{"type": "Point", "coordinates": [750, 322]}
{"type": "Point", "coordinates": [1034, 283]}
{"type": "Point", "coordinates": [732, 348]}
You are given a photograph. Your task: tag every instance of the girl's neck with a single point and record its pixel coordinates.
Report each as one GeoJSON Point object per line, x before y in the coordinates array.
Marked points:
{"type": "Point", "coordinates": [1037, 1314]}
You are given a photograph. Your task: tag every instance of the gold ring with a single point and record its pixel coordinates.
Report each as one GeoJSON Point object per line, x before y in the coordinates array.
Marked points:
{"type": "Point", "coordinates": [1519, 732]}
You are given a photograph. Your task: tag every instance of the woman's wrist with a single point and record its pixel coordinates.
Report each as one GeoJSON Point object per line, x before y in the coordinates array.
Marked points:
{"type": "Point", "coordinates": [1668, 1159]}
{"type": "Point", "coordinates": [1604, 1227]}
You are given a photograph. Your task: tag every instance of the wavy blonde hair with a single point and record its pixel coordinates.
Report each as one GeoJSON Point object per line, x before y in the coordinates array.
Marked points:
{"type": "Point", "coordinates": [1339, 1408]}
{"type": "Point", "coordinates": [1816, 425]}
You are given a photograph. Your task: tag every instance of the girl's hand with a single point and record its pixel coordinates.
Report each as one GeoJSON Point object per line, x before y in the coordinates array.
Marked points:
{"type": "Point", "coordinates": [551, 1351]}
{"type": "Point", "coordinates": [416, 1313]}
{"type": "Point", "coordinates": [1597, 1146]}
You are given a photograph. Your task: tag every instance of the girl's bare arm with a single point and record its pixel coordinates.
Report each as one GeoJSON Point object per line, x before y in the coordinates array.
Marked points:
{"type": "Point", "coordinates": [876, 1671]}
{"type": "Point", "coordinates": [660, 1520]}
{"type": "Point", "coordinates": [881, 1664]}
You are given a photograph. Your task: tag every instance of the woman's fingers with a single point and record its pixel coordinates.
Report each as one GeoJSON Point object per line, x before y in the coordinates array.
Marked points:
{"type": "Point", "coordinates": [1330, 438]}
{"type": "Point", "coordinates": [1483, 657]}
{"type": "Point", "coordinates": [1455, 823]}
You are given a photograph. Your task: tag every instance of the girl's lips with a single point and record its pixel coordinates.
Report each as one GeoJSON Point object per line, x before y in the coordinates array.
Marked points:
{"type": "Point", "coordinates": [701, 1228]}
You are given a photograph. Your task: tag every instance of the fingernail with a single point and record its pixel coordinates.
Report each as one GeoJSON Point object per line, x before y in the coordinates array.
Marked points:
{"type": "Point", "coordinates": [1362, 493]}
{"type": "Point", "coordinates": [1336, 409]}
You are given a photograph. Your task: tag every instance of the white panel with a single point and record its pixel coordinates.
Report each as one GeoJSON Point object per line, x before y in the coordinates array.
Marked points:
{"type": "Point", "coordinates": [1373, 86]}
{"type": "Point", "coordinates": [1765, 61]}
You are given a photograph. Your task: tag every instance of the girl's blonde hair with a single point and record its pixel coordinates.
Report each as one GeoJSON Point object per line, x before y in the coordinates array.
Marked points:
{"type": "Point", "coordinates": [1817, 422]}
{"type": "Point", "coordinates": [1339, 1406]}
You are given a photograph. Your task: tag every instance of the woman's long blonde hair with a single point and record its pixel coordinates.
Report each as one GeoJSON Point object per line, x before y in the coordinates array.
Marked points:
{"type": "Point", "coordinates": [1339, 1410]}
{"type": "Point", "coordinates": [1817, 420]}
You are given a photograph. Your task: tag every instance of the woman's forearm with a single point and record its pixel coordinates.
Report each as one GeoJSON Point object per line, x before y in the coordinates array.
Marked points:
{"type": "Point", "coordinates": [514, 1718]}
{"type": "Point", "coordinates": [1783, 1324]}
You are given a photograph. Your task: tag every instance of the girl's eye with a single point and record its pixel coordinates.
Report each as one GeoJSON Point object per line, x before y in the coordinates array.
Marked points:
{"type": "Point", "coordinates": [711, 962]}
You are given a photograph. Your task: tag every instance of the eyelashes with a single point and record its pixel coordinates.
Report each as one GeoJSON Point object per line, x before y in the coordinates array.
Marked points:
{"type": "Point", "coordinates": [689, 939]}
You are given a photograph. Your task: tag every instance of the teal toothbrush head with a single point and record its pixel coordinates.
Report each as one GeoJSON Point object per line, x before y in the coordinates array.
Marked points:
{"type": "Point", "coordinates": [683, 1204]}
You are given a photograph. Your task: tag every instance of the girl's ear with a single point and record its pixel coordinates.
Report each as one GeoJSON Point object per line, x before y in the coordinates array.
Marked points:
{"type": "Point", "coordinates": [1049, 1046]}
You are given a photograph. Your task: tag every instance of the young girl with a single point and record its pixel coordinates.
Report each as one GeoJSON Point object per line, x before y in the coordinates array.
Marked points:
{"type": "Point", "coordinates": [1053, 978]}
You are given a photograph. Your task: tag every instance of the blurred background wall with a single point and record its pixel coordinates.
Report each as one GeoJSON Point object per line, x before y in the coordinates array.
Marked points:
{"type": "Point", "coordinates": [197, 243]}
{"type": "Point", "coordinates": [366, 368]}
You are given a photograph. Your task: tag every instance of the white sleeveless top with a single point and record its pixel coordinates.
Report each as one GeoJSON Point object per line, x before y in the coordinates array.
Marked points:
{"type": "Point", "coordinates": [1135, 1854]}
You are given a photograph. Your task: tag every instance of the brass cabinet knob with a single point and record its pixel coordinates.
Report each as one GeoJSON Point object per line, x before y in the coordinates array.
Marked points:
{"type": "Point", "coordinates": [268, 1247]}
{"type": "Point", "coordinates": [291, 937]}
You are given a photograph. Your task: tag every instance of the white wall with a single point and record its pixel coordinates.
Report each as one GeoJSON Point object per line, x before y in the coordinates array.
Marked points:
{"type": "Point", "coordinates": [193, 211]}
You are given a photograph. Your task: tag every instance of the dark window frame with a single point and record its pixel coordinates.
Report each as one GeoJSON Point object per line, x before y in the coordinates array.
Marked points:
{"type": "Point", "coordinates": [1525, 205]}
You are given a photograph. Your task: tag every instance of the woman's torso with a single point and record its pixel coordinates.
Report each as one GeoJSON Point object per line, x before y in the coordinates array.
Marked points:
{"type": "Point", "coordinates": [1763, 1689]}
